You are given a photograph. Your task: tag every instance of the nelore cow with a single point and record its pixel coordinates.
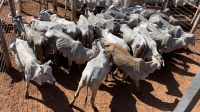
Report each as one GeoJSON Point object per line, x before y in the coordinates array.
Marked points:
{"type": "Point", "coordinates": [26, 60]}
{"type": "Point", "coordinates": [95, 71]}
{"type": "Point", "coordinates": [69, 26]}
{"type": "Point", "coordinates": [37, 40]}
{"type": "Point", "coordinates": [73, 50]}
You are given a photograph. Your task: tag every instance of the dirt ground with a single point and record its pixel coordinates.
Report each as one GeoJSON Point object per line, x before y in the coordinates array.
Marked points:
{"type": "Point", "coordinates": [161, 91]}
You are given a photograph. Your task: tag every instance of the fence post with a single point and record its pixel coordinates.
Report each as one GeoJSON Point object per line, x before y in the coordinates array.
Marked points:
{"type": "Point", "coordinates": [190, 97]}
{"type": "Point", "coordinates": [166, 4]}
{"type": "Point", "coordinates": [5, 48]}
{"type": "Point", "coordinates": [127, 3]}
{"type": "Point", "coordinates": [12, 8]}
{"type": "Point", "coordinates": [195, 16]}
{"type": "Point", "coordinates": [195, 24]}
{"type": "Point", "coordinates": [54, 6]}
{"type": "Point", "coordinates": [73, 6]}
{"type": "Point", "coordinates": [40, 2]}
{"type": "Point", "coordinates": [20, 6]}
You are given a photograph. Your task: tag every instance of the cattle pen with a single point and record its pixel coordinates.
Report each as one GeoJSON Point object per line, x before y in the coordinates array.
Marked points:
{"type": "Point", "coordinates": [161, 91]}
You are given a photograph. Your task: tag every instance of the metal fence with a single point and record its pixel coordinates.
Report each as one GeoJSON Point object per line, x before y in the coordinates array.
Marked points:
{"type": "Point", "coordinates": [187, 20]}
{"type": "Point", "coordinates": [6, 34]}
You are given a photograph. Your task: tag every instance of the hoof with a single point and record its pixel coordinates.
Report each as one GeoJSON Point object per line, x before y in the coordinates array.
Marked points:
{"type": "Point", "coordinates": [70, 105]}
{"type": "Point", "coordinates": [26, 96]}
{"type": "Point", "coordinates": [95, 109]}
{"type": "Point", "coordinates": [138, 92]}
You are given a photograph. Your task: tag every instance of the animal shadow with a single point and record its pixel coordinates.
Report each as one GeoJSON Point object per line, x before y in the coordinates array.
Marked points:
{"type": "Point", "coordinates": [122, 100]}
{"type": "Point", "coordinates": [53, 98]}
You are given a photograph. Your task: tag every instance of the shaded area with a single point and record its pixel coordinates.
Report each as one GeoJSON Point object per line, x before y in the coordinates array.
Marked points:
{"type": "Point", "coordinates": [53, 97]}
{"type": "Point", "coordinates": [15, 75]}
{"type": "Point", "coordinates": [149, 99]}
{"type": "Point", "coordinates": [69, 81]}
{"type": "Point", "coordinates": [122, 100]}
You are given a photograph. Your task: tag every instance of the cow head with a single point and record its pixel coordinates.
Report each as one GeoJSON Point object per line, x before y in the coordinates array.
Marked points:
{"type": "Point", "coordinates": [189, 39]}
{"type": "Point", "coordinates": [43, 73]}
{"type": "Point", "coordinates": [95, 49]}
{"type": "Point", "coordinates": [98, 30]}
{"type": "Point", "coordinates": [134, 21]}
{"type": "Point", "coordinates": [45, 15]}
{"type": "Point", "coordinates": [53, 17]}
{"type": "Point", "coordinates": [18, 23]}
{"type": "Point", "coordinates": [157, 62]}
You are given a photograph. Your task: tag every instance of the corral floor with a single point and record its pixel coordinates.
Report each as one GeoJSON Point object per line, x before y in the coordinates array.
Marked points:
{"type": "Point", "coordinates": [161, 91]}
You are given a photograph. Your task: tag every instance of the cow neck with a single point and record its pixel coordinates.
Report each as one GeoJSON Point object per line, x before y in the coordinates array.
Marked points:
{"type": "Point", "coordinates": [91, 53]}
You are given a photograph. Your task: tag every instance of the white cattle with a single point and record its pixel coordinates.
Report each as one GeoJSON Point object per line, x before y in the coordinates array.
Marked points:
{"type": "Point", "coordinates": [183, 2]}
{"type": "Point", "coordinates": [95, 71]}
{"type": "Point", "coordinates": [37, 40]}
{"type": "Point", "coordinates": [135, 9]}
{"type": "Point", "coordinates": [26, 59]}
{"type": "Point", "coordinates": [44, 26]}
{"type": "Point", "coordinates": [151, 50]}
{"type": "Point", "coordinates": [70, 27]}
{"type": "Point", "coordinates": [108, 37]}
{"type": "Point", "coordinates": [175, 31]}
{"type": "Point", "coordinates": [135, 40]}
{"type": "Point", "coordinates": [166, 43]}
{"type": "Point", "coordinates": [87, 32]}
{"type": "Point", "coordinates": [73, 50]}
{"type": "Point", "coordinates": [105, 24]}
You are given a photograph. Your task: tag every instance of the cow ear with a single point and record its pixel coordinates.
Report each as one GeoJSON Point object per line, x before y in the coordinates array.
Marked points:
{"type": "Point", "coordinates": [48, 62]}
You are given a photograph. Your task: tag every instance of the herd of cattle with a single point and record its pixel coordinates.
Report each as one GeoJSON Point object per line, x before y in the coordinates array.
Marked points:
{"type": "Point", "coordinates": [133, 39]}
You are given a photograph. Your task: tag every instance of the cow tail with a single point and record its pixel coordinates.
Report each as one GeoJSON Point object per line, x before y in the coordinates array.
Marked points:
{"type": "Point", "coordinates": [45, 49]}
{"type": "Point", "coordinates": [86, 95]}
{"type": "Point", "coordinates": [88, 39]}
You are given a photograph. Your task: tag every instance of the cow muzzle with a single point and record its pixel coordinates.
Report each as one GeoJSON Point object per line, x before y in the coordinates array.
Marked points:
{"type": "Point", "coordinates": [53, 82]}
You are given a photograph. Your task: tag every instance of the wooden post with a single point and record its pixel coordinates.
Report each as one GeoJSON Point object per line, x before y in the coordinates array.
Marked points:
{"type": "Point", "coordinates": [66, 8]}
{"type": "Point", "coordinates": [73, 6]}
{"type": "Point", "coordinates": [190, 97]}
{"type": "Point", "coordinates": [20, 6]}
{"type": "Point", "coordinates": [54, 6]}
{"type": "Point", "coordinates": [40, 1]}
{"type": "Point", "coordinates": [12, 8]}
{"type": "Point", "coordinates": [5, 48]}
{"type": "Point", "coordinates": [127, 3]}
{"type": "Point", "coordinates": [195, 16]}
{"type": "Point", "coordinates": [194, 27]}
{"type": "Point", "coordinates": [166, 4]}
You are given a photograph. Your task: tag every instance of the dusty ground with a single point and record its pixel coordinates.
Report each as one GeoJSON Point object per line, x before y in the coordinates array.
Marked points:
{"type": "Point", "coordinates": [161, 91]}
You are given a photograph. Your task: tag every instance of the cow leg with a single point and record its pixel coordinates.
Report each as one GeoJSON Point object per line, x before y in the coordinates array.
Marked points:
{"type": "Point", "coordinates": [80, 86]}
{"type": "Point", "coordinates": [115, 72]}
{"type": "Point", "coordinates": [106, 79]}
{"type": "Point", "coordinates": [55, 56]}
{"type": "Point", "coordinates": [38, 50]}
{"type": "Point", "coordinates": [137, 85]}
{"type": "Point", "coordinates": [94, 89]}
{"type": "Point", "coordinates": [65, 8]}
{"type": "Point", "coordinates": [27, 86]}
{"type": "Point", "coordinates": [124, 77]}
{"type": "Point", "coordinates": [69, 64]}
